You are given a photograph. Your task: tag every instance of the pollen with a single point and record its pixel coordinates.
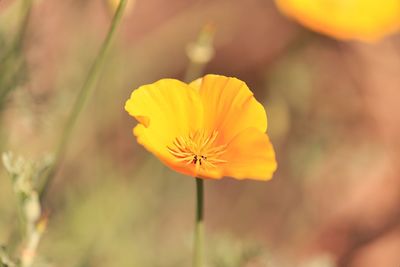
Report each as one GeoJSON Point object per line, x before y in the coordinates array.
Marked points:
{"type": "Point", "coordinates": [199, 149]}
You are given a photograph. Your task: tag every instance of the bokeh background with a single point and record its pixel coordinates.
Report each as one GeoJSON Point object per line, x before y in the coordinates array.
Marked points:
{"type": "Point", "coordinates": [334, 119]}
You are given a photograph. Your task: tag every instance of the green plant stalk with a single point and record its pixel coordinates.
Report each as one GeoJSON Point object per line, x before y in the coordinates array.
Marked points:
{"type": "Point", "coordinates": [199, 227]}
{"type": "Point", "coordinates": [26, 14]}
{"type": "Point", "coordinates": [12, 64]}
{"type": "Point", "coordinates": [193, 71]}
{"type": "Point", "coordinates": [81, 99]}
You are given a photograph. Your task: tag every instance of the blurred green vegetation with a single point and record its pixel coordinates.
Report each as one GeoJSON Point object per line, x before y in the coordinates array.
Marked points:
{"type": "Point", "coordinates": [12, 61]}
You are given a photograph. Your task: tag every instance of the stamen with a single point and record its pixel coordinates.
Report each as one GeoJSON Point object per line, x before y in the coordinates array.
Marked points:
{"type": "Point", "coordinates": [199, 149]}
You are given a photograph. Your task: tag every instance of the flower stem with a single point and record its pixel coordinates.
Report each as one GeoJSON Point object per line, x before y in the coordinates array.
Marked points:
{"type": "Point", "coordinates": [199, 228]}
{"type": "Point", "coordinates": [199, 54]}
{"type": "Point", "coordinates": [12, 63]}
{"type": "Point", "coordinates": [84, 92]}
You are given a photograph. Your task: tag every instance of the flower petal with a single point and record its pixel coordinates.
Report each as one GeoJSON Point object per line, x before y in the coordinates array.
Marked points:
{"type": "Point", "coordinates": [190, 170]}
{"type": "Point", "coordinates": [250, 155]}
{"type": "Point", "coordinates": [229, 106]}
{"type": "Point", "coordinates": [366, 20]}
{"type": "Point", "coordinates": [165, 110]}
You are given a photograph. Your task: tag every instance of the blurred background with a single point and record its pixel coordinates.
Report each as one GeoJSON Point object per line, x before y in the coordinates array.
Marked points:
{"type": "Point", "coordinates": [333, 114]}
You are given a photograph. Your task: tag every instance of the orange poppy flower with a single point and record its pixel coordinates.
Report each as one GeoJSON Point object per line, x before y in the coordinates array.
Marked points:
{"type": "Point", "coordinates": [366, 20]}
{"type": "Point", "coordinates": [210, 128]}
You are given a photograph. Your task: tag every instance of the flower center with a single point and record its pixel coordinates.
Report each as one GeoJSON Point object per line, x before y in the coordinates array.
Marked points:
{"type": "Point", "coordinates": [199, 149]}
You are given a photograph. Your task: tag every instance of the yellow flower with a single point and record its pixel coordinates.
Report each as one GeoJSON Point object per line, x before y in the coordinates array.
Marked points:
{"type": "Point", "coordinates": [210, 128]}
{"type": "Point", "coordinates": [366, 20]}
{"type": "Point", "coordinates": [113, 5]}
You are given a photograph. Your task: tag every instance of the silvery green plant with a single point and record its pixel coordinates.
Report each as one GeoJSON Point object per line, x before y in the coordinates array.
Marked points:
{"type": "Point", "coordinates": [5, 261]}
{"type": "Point", "coordinates": [25, 176]}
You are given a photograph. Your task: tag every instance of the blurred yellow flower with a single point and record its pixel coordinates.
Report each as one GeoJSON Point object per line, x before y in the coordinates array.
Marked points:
{"type": "Point", "coordinates": [113, 4]}
{"type": "Point", "coordinates": [367, 20]}
{"type": "Point", "coordinates": [210, 128]}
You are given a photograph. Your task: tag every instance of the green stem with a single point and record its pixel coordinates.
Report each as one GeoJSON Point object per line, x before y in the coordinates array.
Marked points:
{"type": "Point", "coordinates": [194, 70]}
{"type": "Point", "coordinates": [26, 13]}
{"type": "Point", "coordinates": [84, 92]}
{"type": "Point", "coordinates": [12, 63]}
{"type": "Point", "coordinates": [199, 228]}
